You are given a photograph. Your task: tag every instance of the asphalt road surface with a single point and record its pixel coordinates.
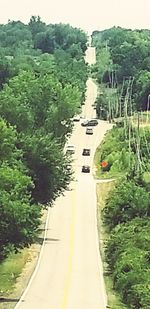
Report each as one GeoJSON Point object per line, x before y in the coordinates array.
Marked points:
{"type": "Point", "coordinates": [69, 272]}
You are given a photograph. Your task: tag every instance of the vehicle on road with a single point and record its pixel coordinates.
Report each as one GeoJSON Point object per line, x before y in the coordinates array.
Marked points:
{"type": "Point", "coordinates": [86, 169]}
{"type": "Point", "coordinates": [85, 123]}
{"type": "Point", "coordinates": [70, 149]}
{"type": "Point", "coordinates": [92, 122]}
{"type": "Point", "coordinates": [94, 105]}
{"type": "Point", "coordinates": [86, 152]}
{"type": "Point", "coordinates": [89, 131]}
{"type": "Point", "coordinates": [76, 118]}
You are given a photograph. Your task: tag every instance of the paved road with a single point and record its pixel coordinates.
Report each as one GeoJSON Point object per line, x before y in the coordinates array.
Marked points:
{"type": "Point", "coordinates": [69, 272]}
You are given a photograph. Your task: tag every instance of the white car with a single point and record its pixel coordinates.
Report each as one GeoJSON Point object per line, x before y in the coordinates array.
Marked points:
{"type": "Point", "coordinates": [76, 118]}
{"type": "Point", "coordinates": [89, 131]}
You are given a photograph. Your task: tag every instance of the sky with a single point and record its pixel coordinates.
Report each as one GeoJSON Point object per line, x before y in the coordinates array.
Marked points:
{"type": "Point", "coordinates": [85, 14]}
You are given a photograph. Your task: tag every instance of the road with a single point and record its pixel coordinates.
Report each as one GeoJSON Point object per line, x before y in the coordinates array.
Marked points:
{"type": "Point", "coordinates": [69, 272]}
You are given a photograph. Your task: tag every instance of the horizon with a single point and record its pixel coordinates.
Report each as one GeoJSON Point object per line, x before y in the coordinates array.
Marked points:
{"type": "Point", "coordinates": [96, 16]}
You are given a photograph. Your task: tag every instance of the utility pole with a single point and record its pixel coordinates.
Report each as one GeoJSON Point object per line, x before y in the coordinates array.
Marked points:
{"type": "Point", "coordinates": [139, 167]}
{"type": "Point", "coordinates": [129, 124]}
{"type": "Point", "coordinates": [120, 102]}
{"type": "Point", "coordinates": [109, 111]}
{"type": "Point", "coordinates": [148, 106]}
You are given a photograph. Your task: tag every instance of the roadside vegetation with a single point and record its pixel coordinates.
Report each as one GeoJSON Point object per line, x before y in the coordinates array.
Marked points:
{"type": "Point", "coordinates": [42, 86]}
{"type": "Point", "coordinates": [124, 94]}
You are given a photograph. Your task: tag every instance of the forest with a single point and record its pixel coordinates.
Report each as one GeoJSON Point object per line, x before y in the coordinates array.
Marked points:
{"type": "Point", "coordinates": [42, 86]}
{"type": "Point", "coordinates": [123, 78]}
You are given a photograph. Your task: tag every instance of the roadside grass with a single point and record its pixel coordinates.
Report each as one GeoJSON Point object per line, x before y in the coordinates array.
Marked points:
{"type": "Point", "coordinates": [102, 191]}
{"type": "Point", "coordinates": [10, 269]}
{"type": "Point", "coordinates": [143, 118]}
{"type": "Point", "coordinates": [16, 270]}
{"type": "Point", "coordinates": [99, 174]}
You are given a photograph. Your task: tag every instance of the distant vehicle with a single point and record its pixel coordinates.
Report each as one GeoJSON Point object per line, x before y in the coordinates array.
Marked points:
{"type": "Point", "coordinates": [76, 118]}
{"type": "Point", "coordinates": [70, 149]}
{"type": "Point", "coordinates": [86, 152]}
{"type": "Point", "coordinates": [86, 169]}
{"type": "Point", "coordinates": [92, 122]}
{"type": "Point", "coordinates": [85, 123]}
{"type": "Point", "coordinates": [89, 131]}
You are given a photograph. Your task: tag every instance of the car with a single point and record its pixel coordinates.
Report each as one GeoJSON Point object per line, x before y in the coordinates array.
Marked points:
{"type": "Point", "coordinates": [89, 131]}
{"type": "Point", "coordinates": [86, 152]}
{"type": "Point", "coordinates": [70, 149]}
{"type": "Point", "coordinates": [85, 169]}
{"type": "Point", "coordinates": [85, 123]}
{"type": "Point", "coordinates": [76, 118]}
{"type": "Point", "coordinates": [92, 122]}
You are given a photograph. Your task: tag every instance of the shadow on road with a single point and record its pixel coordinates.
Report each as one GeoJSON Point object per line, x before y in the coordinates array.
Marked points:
{"type": "Point", "coordinates": [40, 240]}
{"type": "Point", "coordinates": [8, 300]}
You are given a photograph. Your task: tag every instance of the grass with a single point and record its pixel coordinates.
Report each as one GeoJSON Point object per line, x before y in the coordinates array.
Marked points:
{"type": "Point", "coordinates": [10, 269]}
{"type": "Point", "coordinates": [114, 300]}
{"type": "Point", "coordinates": [99, 174]}
{"type": "Point", "coordinates": [16, 270]}
{"type": "Point", "coordinates": [144, 119]}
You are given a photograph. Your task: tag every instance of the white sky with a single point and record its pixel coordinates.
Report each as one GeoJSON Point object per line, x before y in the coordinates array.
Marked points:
{"type": "Point", "coordinates": [85, 14]}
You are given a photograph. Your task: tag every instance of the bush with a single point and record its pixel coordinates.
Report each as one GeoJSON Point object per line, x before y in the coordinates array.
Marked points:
{"type": "Point", "coordinates": [126, 202]}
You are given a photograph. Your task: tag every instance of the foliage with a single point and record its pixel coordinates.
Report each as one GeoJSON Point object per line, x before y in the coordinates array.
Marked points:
{"type": "Point", "coordinates": [128, 258]}
{"type": "Point", "coordinates": [121, 158]}
{"type": "Point", "coordinates": [42, 85]}
{"type": "Point", "coordinates": [47, 164]}
{"type": "Point", "coordinates": [126, 216]}
{"type": "Point", "coordinates": [19, 220]}
{"type": "Point", "coordinates": [59, 36]}
{"type": "Point", "coordinates": [128, 52]}
{"type": "Point", "coordinates": [124, 203]}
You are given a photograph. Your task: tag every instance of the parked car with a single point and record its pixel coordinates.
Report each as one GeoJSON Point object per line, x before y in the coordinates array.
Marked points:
{"type": "Point", "coordinates": [85, 123]}
{"type": "Point", "coordinates": [70, 149]}
{"type": "Point", "coordinates": [92, 122]}
{"type": "Point", "coordinates": [89, 131]}
{"type": "Point", "coordinates": [76, 118]}
{"type": "Point", "coordinates": [86, 152]}
{"type": "Point", "coordinates": [86, 169]}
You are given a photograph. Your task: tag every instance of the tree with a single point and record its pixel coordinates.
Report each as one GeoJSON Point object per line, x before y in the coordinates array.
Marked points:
{"type": "Point", "coordinates": [128, 257]}
{"type": "Point", "coordinates": [47, 164]}
{"type": "Point", "coordinates": [126, 202]}
{"type": "Point", "coordinates": [36, 25]}
{"type": "Point", "coordinates": [19, 220]}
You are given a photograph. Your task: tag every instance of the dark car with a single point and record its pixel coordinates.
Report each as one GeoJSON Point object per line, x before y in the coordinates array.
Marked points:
{"type": "Point", "coordinates": [89, 131]}
{"type": "Point", "coordinates": [86, 169]}
{"type": "Point", "coordinates": [70, 149]}
{"type": "Point", "coordinates": [92, 122]}
{"type": "Point", "coordinates": [86, 152]}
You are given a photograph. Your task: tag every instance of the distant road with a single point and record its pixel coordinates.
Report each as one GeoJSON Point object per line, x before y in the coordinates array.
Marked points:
{"type": "Point", "coordinates": [90, 56]}
{"type": "Point", "coordinates": [69, 274]}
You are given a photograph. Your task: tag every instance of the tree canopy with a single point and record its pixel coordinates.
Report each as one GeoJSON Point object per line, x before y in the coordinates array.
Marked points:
{"type": "Point", "coordinates": [42, 86]}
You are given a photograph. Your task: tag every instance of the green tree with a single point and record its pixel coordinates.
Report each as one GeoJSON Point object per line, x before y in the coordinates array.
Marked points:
{"type": "Point", "coordinates": [126, 202]}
